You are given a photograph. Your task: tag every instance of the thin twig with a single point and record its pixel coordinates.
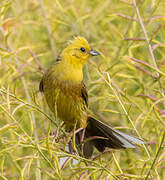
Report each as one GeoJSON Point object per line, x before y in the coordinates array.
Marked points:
{"type": "Point", "coordinates": [134, 39]}
{"type": "Point", "coordinates": [146, 64]}
{"type": "Point", "coordinates": [153, 18]}
{"type": "Point", "coordinates": [37, 61]}
{"type": "Point", "coordinates": [146, 37]}
{"type": "Point", "coordinates": [155, 33]}
{"type": "Point", "coordinates": [48, 28]}
{"type": "Point", "coordinates": [138, 61]}
{"type": "Point", "coordinates": [157, 45]}
{"type": "Point", "coordinates": [143, 70]}
{"type": "Point", "coordinates": [126, 17]}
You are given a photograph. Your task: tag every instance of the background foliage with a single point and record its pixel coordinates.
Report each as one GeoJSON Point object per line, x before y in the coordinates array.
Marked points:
{"type": "Point", "coordinates": [125, 85]}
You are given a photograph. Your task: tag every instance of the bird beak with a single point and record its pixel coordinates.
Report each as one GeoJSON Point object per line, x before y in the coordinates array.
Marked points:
{"type": "Point", "coordinates": [93, 53]}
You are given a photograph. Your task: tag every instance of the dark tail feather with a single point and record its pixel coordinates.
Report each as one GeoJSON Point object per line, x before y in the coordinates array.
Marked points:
{"type": "Point", "coordinates": [101, 136]}
{"type": "Point", "coordinates": [85, 145]}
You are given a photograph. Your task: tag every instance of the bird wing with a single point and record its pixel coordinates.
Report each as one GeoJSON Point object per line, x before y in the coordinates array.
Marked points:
{"type": "Point", "coordinates": [41, 87]}
{"type": "Point", "coordinates": [84, 93]}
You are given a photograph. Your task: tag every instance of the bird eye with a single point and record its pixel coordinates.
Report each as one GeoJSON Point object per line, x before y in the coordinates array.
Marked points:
{"type": "Point", "coordinates": [82, 49]}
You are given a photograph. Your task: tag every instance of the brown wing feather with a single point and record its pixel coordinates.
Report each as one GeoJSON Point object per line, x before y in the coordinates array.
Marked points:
{"type": "Point", "coordinates": [41, 86]}
{"type": "Point", "coordinates": [84, 93]}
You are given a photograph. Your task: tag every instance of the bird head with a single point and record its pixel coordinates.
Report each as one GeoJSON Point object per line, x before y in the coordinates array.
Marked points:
{"type": "Point", "coordinates": [78, 51]}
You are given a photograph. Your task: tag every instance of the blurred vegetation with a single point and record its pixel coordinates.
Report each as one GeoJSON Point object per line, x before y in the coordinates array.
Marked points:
{"type": "Point", "coordinates": [126, 85]}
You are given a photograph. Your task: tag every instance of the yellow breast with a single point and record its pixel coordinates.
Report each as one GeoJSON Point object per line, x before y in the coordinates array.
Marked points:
{"type": "Point", "coordinates": [64, 94]}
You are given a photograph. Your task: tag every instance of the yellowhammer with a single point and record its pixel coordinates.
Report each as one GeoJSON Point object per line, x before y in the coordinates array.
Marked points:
{"type": "Point", "coordinates": [66, 94]}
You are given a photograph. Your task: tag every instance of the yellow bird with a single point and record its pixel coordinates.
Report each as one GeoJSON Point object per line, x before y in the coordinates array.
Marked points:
{"type": "Point", "coordinates": [66, 94]}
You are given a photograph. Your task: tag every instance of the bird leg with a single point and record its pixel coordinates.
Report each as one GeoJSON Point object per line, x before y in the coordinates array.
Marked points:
{"type": "Point", "coordinates": [56, 133]}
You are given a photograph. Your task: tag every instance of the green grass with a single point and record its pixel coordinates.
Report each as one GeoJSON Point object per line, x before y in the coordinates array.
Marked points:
{"type": "Point", "coordinates": [126, 86]}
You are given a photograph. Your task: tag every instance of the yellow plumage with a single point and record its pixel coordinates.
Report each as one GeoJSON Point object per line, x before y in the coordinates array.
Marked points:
{"type": "Point", "coordinates": [64, 91]}
{"type": "Point", "coordinates": [66, 94]}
